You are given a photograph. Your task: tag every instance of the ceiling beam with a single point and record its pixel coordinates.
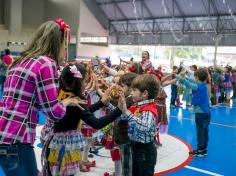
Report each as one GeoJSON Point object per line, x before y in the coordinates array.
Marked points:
{"type": "Point", "coordinates": [98, 13]}
{"type": "Point", "coordinates": [119, 9]}
{"type": "Point", "coordinates": [112, 2]}
{"type": "Point", "coordinates": [184, 21]}
{"type": "Point", "coordinates": [176, 17]}
{"type": "Point", "coordinates": [213, 4]}
{"type": "Point", "coordinates": [147, 9]}
{"type": "Point", "coordinates": [208, 11]}
{"type": "Point", "coordinates": [167, 8]}
{"type": "Point", "coordinates": [178, 8]}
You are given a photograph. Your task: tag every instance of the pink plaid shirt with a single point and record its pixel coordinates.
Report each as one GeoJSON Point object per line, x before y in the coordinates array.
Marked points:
{"type": "Point", "coordinates": [30, 86]}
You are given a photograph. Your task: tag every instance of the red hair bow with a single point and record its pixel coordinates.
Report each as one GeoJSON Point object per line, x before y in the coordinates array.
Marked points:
{"type": "Point", "coordinates": [132, 69]}
{"type": "Point", "coordinates": [151, 71]}
{"type": "Point", "coordinates": [62, 24]}
{"type": "Point", "coordinates": [159, 75]}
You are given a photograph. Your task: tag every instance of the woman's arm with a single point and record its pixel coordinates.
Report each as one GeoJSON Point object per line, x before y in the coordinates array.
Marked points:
{"type": "Point", "coordinates": [47, 91]}
{"type": "Point", "coordinates": [166, 83]}
{"type": "Point", "coordinates": [98, 123]}
{"type": "Point", "coordinates": [164, 78]}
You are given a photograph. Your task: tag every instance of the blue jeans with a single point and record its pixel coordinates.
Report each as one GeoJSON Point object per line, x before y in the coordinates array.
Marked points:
{"type": "Point", "coordinates": [202, 121]}
{"type": "Point", "coordinates": [18, 159]}
{"type": "Point", "coordinates": [173, 94]}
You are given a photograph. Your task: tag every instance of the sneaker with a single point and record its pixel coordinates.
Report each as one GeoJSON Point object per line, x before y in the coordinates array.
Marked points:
{"type": "Point", "coordinates": [205, 152]}
{"type": "Point", "coordinates": [193, 152]}
{"type": "Point", "coordinates": [198, 153]}
{"type": "Point", "coordinates": [94, 151]}
{"type": "Point", "coordinates": [172, 106]}
{"type": "Point", "coordinates": [90, 155]}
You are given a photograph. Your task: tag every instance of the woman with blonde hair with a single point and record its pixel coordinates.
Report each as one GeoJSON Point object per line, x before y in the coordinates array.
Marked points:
{"type": "Point", "coordinates": [31, 86]}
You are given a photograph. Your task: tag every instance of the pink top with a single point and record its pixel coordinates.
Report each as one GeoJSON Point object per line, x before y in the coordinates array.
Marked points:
{"type": "Point", "coordinates": [30, 86]}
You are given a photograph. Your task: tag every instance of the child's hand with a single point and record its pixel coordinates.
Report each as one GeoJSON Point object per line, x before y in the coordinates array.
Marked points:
{"type": "Point", "coordinates": [122, 103]}
{"type": "Point", "coordinates": [96, 84]}
{"type": "Point", "coordinates": [106, 96]}
{"type": "Point", "coordinates": [74, 101]}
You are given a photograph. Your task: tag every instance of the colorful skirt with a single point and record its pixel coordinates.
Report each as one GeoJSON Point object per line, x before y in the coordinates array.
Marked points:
{"type": "Point", "coordinates": [65, 152]}
{"type": "Point", "coordinates": [162, 114]}
{"type": "Point", "coordinates": [87, 130]}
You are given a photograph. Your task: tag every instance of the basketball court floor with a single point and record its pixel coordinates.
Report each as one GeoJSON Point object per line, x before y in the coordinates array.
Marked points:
{"type": "Point", "coordinates": [173, 158]}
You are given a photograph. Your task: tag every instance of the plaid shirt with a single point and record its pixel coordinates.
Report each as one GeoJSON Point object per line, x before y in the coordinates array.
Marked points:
{"type": "Point", "coordinates": [146, 65]}
{"type": "Point", "coordinates": [142, 128]}
{"type": "Point", "coordinates": [30, 86]}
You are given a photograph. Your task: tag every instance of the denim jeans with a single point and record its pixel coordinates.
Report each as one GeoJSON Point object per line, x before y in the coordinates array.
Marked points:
{"type": "Point", "coordinates": [18, 160]}
{"type": "Point", "coordinates": [144, 158]}
{"type": "Point", "coordinates": [173, 94]}
{"type": "Point", "coordinates": [202, 121]}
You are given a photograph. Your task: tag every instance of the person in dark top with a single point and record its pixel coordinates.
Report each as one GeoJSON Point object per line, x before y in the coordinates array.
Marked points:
{"type": "Point", "coordinates": [63, 148]}
{"type": "Point", "coordinates": [120, 128]}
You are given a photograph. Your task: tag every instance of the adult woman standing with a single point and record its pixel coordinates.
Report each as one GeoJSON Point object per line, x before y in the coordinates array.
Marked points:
{"type": "Point", "coordinates": [146, 63]}
{"type": "Point", "coordinates": [31, 85]}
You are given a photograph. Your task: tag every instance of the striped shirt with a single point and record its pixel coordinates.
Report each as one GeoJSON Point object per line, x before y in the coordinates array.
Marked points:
{"type": "Point", "coordinates": [142, 128]}
{"type": "Point", "coordinates": [30, 86]}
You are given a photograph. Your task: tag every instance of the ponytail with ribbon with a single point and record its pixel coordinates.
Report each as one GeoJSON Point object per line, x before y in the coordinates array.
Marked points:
{"type": "Point", "coordinates": [64, 27]}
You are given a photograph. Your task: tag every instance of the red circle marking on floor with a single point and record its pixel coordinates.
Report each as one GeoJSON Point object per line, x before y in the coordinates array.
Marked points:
{"type": "Point", "coordinates": [188, 160]}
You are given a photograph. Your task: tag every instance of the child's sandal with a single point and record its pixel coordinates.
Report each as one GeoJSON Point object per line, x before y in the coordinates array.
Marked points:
{"type": "Point", "coordinates": [90, 163]}
{"type": "Point", "coordinates": [84, 168]}
{"type": "Point", "coordinates": [108, 174]}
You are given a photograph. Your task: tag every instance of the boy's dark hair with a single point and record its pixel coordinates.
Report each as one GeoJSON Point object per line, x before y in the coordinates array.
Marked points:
{"type": "Point", "coordinates": [194, 67]}
{"type": "Point", "coordinates": [67, 79]}
{"type": "Point", "coordinates": [147, 82]}
{"type": "Point", "coordinates": [127, 79]}
{"type": "Point", "coordinates": [175, 67]}
{"type": "Point", "coordinates": [202, 74]}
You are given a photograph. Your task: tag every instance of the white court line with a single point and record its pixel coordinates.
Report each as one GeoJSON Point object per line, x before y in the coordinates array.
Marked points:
{"type": "Point", "coordinates": [203, 171]}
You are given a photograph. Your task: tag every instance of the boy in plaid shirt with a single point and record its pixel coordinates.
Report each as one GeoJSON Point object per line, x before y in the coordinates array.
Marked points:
{"type": "Point", "coordinates": [142, 120]}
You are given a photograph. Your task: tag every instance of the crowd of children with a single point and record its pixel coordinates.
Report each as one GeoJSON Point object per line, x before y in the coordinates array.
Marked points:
{"type": "Point", "coordinates": [121, 107]}
{"type": "Point", "coordinates": [220, 81]}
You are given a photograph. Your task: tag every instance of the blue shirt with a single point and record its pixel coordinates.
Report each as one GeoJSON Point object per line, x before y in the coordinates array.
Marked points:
{"type": "Point", "coordinates": [191, 84]}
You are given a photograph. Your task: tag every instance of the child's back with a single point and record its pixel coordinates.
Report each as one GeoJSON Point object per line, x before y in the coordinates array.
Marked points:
{"type": "Point", "coordinates": [201, 104]}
